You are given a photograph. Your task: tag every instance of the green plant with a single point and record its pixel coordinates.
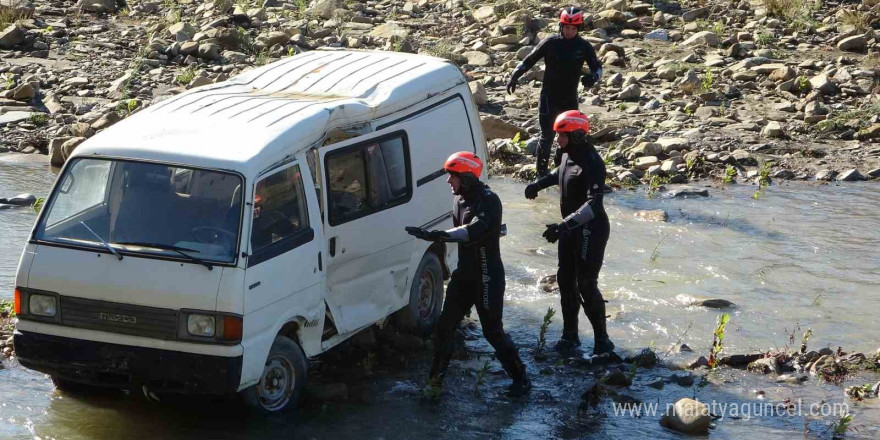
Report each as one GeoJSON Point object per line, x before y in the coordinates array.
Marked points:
{"type": "Point", "coordinates": [817, 301]}
{"type": "Point", "coordinates": [127, 107]}
{"type": "Point", "coordinates": [803, 83]}
{"type": "Point", "coordinates": [718, 340]}
{"type": "Point", "coordinates": [633, 370]}
{"type": "Point", "coordinates": [291, 51]}
{"type": "Point", "coordinates": [621, 107]}
{"type": "Point", "coordinates": [656, 252]}
{"type": "Point", "coordinates": [542, 336]}
{"type": "Point", "coordinates": [806, 338]}
{"type": "Point", "coordinates": [692, 165]}
{"type": "Point", "coordinates": [729, 175]}
{"type": "Point", "coordinates": [187, 75]}
{"type": "Point", "coordinates": [689, 111]}
{"type": "Point", "coordinates": [262, 58]}
{"type": "Point", "coordinates": [708, 80]}
{"type": "Point", "coordinates": [245, 42]}
{"type": "Point", "coordinates": [842, 425]}
{"type": "Point", "coordinates": [763, 39]}
{"type": "Point", "coordinates": [858, 118]}
{"type": "Point", "coordinates": [10, 83]}
{"type": "Point", "coordinates": [39, 119]}
{"type": "Point", "coordinates": [8, 307]}
{"type": "Point", "coordinates": [433, 389]}
{"type": "Point", "coordinates": [654, 185]}
{"type": "Point", "coordinates": [481, 377]}
{"type": "Point", "coordinates": [763, 179]}
{"type": "Point", "coordinates": [38, 204]}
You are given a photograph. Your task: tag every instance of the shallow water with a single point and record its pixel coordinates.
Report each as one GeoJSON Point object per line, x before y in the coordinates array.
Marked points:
{"type": "Point", "coordinates": [799, 257]}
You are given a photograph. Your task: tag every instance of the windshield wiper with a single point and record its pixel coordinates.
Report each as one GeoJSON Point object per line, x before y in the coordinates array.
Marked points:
{"type": "Point", "coordinates": [170, 247]}
{"type": "Point", "coordinates": [106, 245]}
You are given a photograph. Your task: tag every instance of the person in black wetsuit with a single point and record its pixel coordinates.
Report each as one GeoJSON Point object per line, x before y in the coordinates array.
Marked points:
{"type": "Point", "coordinates": [564, 55]}
{"type": "Point", "coordinates": [479, 278]}
{"type": "Point", "coordinates": [583, 232]}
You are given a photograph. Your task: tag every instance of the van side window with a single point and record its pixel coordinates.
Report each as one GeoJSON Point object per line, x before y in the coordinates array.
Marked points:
{"type": "Point", "coordinates": [367, 178]}
{"type": "Point", "coordinates": [280, 210]}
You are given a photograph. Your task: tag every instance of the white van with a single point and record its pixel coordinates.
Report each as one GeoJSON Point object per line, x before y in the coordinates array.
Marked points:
{"type": "Point", "coordinates": [214, 241]}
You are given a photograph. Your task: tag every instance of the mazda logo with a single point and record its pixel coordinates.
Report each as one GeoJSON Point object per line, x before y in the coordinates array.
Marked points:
{"type": "Point", "coordinates": [115, 317]}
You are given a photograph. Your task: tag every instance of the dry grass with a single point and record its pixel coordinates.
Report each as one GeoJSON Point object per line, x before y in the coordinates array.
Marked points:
{"type": "Point", "coordinates": [860, 21]}
{"type": "Point", "coordinates": [796, 12]}
{"type": "Point", "coordinates": [9, 16]}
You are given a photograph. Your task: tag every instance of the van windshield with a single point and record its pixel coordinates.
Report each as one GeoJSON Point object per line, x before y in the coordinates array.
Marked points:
{"type": "Point", "coordinates": [149, 208]}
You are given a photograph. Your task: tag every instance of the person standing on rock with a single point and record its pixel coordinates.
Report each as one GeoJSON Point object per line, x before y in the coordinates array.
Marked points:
{"type": "Point", "coordinates": [564, 55]}
{"type": "Point", "coordinates": [583, 232]}
{"type": "Point", "coordinates": [479, 277]}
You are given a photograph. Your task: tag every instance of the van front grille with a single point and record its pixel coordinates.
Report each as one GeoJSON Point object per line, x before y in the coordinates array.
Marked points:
{"type": "Point", "coordinates": [112, 317]}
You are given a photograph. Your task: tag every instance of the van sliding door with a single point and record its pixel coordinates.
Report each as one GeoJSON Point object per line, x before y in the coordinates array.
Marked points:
{"type": "Point", "coordinates": [367, 186]}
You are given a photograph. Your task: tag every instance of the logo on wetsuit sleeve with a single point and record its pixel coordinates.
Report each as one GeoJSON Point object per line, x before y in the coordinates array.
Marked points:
{"type": "Point", "coordinates": [485, 266]}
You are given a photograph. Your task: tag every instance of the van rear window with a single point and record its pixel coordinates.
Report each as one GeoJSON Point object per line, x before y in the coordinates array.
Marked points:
{"type": "Point", "coordinates": [367, 178]}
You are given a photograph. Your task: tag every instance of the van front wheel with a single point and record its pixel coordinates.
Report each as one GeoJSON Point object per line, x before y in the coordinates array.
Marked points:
{"type": "Point", "coordinates": [425, 297]}
{"type": "Point", "coordinates": [282, 381]}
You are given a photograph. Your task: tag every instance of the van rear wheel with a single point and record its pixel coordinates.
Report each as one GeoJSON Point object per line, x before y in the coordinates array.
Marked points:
{"type": "Point", "coordinates": [425, 297]}
{"type": "Point", "coordinates": [282, 381]}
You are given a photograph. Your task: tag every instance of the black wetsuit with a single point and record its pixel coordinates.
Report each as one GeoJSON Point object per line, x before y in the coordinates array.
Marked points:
{"type": "Point", "coordinates": [581, 179]}
{"type": "Point", "coordinates": [564, 60]}
{"type": "Point", "coordinates": [477, 281]}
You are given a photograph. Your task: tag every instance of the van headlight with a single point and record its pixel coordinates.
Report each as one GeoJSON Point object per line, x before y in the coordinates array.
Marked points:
{"type": "Point", "coordinates": [42, 305]}
{"type": "Point", "coordinates": [200, 325]}
{"type": "Point", "coordinates": [210, 327]}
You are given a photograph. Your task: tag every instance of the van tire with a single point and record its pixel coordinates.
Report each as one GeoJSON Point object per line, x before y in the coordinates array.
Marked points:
{"type": "Point", "coordinates": [425, 298]}
{"type": "Point", "coordinates": [286, 368]}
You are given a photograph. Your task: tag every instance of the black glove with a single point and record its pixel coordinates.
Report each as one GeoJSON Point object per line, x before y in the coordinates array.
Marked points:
{"type": "Point", "coordinates": [511, 85]}
{"type": "Point", "coordinates": [589, 80]}
{"type": "Point", "coordinates": [417, 232]}
{"type": "Point", "coordinates": [551, 233]}
{"type": "Point", "coordinates": [422, 234]}
{"type": "Point", "coordinates": [532, 191]}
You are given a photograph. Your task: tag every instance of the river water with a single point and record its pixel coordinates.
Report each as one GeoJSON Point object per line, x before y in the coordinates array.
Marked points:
{"type": "Point", "coordinates": [800, 256]}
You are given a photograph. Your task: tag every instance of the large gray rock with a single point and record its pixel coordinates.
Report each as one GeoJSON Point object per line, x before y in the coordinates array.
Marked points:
{"type": "Point", "coordinates": [695, 14]}
{"type": "Point", "coordinates": [24, 92]}
{"type": "Point", "coordinates": [485, 14]}
{"type": "Point", "coordinates": [643, 163]}
{"type": "Point", "coordinates": [631, 92]}
{"type": "Point", "coordinates": [823, 84]}
{"type": "Point", "coordinates": [325, 8]}
{"type": "Point", "coordinates": [851, 175]}
{"type": "Point", "coordinates": [389, 31]}
{"type": "Point", "coordinates": [688, 191]}
{"type": "Point", "coordinates": [69, 145]}
{"type": "Point", "coordinates": [15, 116]}
{"type": "Point", "coordinates": [856, 43]}
{"type": "Point", "coordinates": [688, 416]}
{"type": "Point", "coordinates": [672, 144]}
{"type": "Point", "coordinates": [11, 36]}
{"type": "Point", "coordinates": [495, 128]}
{"type": "Point", "coordinates": [773, 129]}
{"type": "Point", "coordinates": [56, 154]}
{"type": "Point", "coordinates": [181, 31]}
{"type": "Point", "coordinates": [479, 92]}
{"type": "Point", "coordinates": [476, 58]}
{"type": "Point", "coordinates": [764, 366]}
{"type": "Point", "coordinates": [209, 51]}
{"type": "Point", "coordinates": [703, 38]}
{"type": "Point", "coordinates": [97, 6]}
{"type": "Point", "coordinates": [19, 200]}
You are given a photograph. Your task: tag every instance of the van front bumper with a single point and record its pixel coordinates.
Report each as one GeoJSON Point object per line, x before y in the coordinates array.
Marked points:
{"type": "Point", "coordinates": [122, 366]}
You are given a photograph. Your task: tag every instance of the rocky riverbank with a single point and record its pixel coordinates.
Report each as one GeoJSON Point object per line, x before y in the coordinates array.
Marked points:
{"type": "Point", "coordinates": [779, 89]}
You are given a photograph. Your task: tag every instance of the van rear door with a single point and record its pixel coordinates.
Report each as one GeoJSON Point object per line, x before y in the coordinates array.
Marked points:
{"type": "Point", "coordinates": [368, 184]}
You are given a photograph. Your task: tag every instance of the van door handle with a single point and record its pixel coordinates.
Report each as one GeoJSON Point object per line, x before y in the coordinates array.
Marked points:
{"type": "Point", "coordinates": [320, 263]}
{"type": "Point", "coordinates": [332, 246]}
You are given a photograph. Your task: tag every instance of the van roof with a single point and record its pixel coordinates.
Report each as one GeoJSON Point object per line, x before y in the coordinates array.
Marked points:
{"type": "Point", "coordinates": [252, 120]}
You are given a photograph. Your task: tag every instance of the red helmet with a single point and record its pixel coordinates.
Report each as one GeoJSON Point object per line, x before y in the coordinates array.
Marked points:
{"type": "Point", "coordinates": [464, 162]}
{"type": "Point", "coordinates": [572, 15]}
{"type": "Point", "coordinates": [571, 121]}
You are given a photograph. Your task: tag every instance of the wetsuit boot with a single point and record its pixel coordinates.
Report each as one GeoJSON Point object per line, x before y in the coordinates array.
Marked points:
{"type": "Point", "coordinates": [517, 371]}
{"type": "Point", "coordinates": [595, 309]}
{"type": "Point", "coordinates": [569, 342]}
